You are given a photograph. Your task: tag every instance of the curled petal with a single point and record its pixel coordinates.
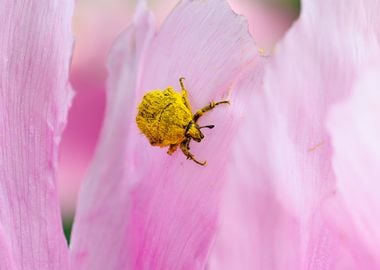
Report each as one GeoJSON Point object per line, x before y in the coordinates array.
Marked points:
{"type": "Point", "coordinates": [99, 233]}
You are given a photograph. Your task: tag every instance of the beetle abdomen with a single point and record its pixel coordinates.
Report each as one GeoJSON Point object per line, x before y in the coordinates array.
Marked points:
{"type": "Point", "coordinates": [163, 117]}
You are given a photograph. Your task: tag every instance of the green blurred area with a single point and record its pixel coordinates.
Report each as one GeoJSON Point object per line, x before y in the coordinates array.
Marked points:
{"type": "Point", "coordinates": [294, 5]}
{"type": "Point", "coordinates": [67, 227]}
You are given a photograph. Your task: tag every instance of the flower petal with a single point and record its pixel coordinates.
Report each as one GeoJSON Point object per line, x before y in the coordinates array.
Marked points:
{"type": "Point", "coordinates": [255, 226]}
{"type": "Point", "coordinates": [162, 210]}
{"type": "Point", "coordinates": [98, 238]}
{"type": "Point", "coordinates": [35, 50]}
{"type": "Point", "coordinates": [282, 167]}
{"type": "Point", "coordinates": [175, 203]}
{"type": "Point", "coordinates": [197, 42]}
{"type": "Point", "coordinates": [355, 131]}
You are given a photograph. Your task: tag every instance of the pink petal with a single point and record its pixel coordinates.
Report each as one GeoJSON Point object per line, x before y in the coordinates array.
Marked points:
{"type": "Point", "coordinates": [35, 49]}
{"type": "Point", "coordinates": [355, 132]}
{"type": "Point", "coordinates": [255, 228]}
{"type": "Point", "coordinates": [96, 24]}
{"type": "Point", "coordinates": [193, 43]}
{"type": "Point", "coordinates": [141, 208]}
{"type": "Point", "coordinates": [98, 239]}
{"type": "Point", "coordinates": [271, 216]}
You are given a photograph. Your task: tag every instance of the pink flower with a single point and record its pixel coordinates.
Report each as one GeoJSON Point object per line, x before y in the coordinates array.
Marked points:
{"type": "Point", "coordinates": [291, 181]}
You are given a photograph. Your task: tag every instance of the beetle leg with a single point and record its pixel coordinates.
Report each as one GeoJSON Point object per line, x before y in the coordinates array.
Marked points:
{"type": "Point", "coordinates": [187, 141]}
{"type": "Point", "coordinates": [185, 97]}
{"type": "Point", "coordinates": [172, 148]}
{"type": "Point", "coordinates": [189, 155]}
{"type": "Point", "coordinates": [207, 108]}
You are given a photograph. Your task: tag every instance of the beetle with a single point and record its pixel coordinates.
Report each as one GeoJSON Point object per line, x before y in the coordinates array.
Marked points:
{"type": "Point", "coordinates": [166, 119]}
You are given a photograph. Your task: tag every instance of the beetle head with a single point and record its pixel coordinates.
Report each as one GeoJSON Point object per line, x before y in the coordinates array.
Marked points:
{"type": "Point", "coordinates": [194, 131]}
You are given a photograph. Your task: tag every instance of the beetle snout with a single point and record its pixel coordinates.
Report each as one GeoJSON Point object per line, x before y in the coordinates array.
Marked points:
{"type": "Point", "coordinates": [198, 139]}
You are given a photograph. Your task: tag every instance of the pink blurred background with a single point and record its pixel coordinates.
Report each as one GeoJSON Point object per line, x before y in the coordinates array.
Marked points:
{"type": "Point", "coordinates": [96, 25]}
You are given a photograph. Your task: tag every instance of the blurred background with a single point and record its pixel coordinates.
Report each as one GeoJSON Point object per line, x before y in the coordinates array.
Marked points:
{"type": "Point", "coordinates": [96, 25]}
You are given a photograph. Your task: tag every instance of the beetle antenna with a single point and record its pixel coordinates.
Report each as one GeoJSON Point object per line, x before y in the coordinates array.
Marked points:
{"type": "Point", "coordinates": [209, 126]}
